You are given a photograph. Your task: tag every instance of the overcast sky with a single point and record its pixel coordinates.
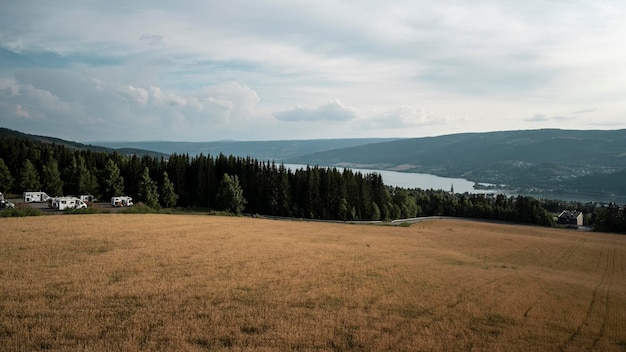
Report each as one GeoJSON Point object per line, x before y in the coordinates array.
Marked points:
{"type": "Point", "coordinates": [264, 70]}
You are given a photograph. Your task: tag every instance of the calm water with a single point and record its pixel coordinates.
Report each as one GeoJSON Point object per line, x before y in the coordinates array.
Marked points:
{"type": "Point", "coordinates": [427, 181]}
{"type": "Point", "coordinates": [414, 180]}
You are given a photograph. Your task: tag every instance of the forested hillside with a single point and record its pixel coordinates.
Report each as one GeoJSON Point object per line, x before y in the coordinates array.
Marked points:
{"type": "Point", "coordinates": [238, 184]}
{"type": "Point", "coordinates": [7, 133]}
{"type": "Point", "coordinates": [563, 160]}
{"type": "Point", "coordinates": [264, 150]}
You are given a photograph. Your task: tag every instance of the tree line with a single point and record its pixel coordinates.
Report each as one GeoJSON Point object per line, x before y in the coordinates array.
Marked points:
{"type": "Point", "coordinates": [238, 184]}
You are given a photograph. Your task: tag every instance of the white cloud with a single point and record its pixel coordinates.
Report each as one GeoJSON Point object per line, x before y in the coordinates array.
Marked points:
{"type": "Point", "coordinates": [334, 110]}
{"type": "Point", "coordinates": [161, 98]}
{"type": "Point", "coordinates": [134, 94]}
{"type": "Point", "coordinates": [205, 66]}
{"type": "Point", "coordinates": [544, 118]}
{"type": "Point", "coordinates": [406, 116]}
{"type": "Point", "coordinates": [21, 111]}
{"type": "Point", "coordinates": [239, 101]}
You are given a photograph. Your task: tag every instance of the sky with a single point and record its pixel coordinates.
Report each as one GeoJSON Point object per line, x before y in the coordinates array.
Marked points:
{"type": "Point", "coordinates": [284, 69]}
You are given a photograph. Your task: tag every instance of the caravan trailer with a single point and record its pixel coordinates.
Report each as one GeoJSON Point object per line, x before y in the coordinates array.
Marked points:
{"type": "Point", "coordinates": [121, 201]}
{"type": "Point", "coordinates": [35, 197]}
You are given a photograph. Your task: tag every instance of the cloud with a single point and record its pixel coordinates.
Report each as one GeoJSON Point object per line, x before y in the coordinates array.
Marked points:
{"type": "Point", "coordinates": [159, 98]}
{"type": "Point", "coordinates": [583, 111]}
{"type": "Point", "coordinates": [157, 68]}
{"type": "Point", "coordinates": [405, 116]}
{"type": "Point", "coordinates": [538, 118]}
{"type": "Point", "coordinates": [152, 39]}
{"type": "Point", "coordinates": [21, 111]}
{"type": "Point", "coordinates": [239, 100]}
{"type": "Point", "coordinates": [120, 111]}
{"type": "Point", "coordinates": [543, 118]}
{"type": "Point", "coordinates": [138, 95]}
{"type": "Point", "coordinates": [334, 110]}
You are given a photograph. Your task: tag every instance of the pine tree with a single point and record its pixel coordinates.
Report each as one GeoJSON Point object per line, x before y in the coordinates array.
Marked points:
{"type": "Point", "coordinates": [83, 176]}
{"type": "Point", "coordinates": [230, 195]}
{"type": "Point", "coordinates": [51, 178]}
{"type": "Point", "coordinates": [29, 178]}
{"type": "Point", "coordinates": [113, 181]}
{"type": "Point", "coordinates": [168, 195]}
{"type": "Point", "coordinates": [6, 179]}
{"type": "Point", "coordinates": [148, 190]}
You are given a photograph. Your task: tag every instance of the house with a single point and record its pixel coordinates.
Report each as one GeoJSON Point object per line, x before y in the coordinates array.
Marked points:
{"type": "Point", "coordinates": [570, 217]}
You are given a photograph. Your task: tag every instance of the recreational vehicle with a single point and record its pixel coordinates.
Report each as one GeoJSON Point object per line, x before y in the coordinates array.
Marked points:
{"type": "Point", "coordinates": [121, 201]}
{"type": "Point", "coordinates": [35, 197]}
{"type": "Point", "coordinates": [87, 198]}
{"type": "Point", "coordinates": [63, 203]}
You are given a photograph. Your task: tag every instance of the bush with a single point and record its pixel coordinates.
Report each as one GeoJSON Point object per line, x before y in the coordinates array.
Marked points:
{"type": "Point", "coordinates": [20, 212]}
{"type": "Point", "coordinates": [88, 210]}
{"type": "Point", "coordinates": [139, 208]}
{"type": "Point", "coordinates": [222, 213]}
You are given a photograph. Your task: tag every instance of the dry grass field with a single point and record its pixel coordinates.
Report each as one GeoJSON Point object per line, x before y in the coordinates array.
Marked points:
{"type": "Point", "coordinates": [117, 282]}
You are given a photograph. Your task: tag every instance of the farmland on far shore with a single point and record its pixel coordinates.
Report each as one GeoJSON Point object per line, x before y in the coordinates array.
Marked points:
{"type": "Point", "coordinates": [125, 282]}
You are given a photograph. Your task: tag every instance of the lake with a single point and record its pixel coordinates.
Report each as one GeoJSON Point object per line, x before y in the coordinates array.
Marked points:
{"type": "Point", "coordinates": [413, 180]}
{"type": "Point", "coordinates": [461, 185]}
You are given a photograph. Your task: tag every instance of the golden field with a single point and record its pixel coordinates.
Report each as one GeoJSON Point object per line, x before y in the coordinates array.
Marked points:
{"type": "Point", "coordinates": [118, 282]}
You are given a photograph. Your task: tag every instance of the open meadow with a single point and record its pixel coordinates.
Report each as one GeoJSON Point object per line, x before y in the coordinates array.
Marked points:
{"type": "Point", "coordinates": [120, 282]}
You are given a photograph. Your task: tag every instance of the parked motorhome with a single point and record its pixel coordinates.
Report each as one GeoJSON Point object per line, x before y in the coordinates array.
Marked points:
{"type": "Point", "coordinates": [121, 201]}
{"type": "Point", "coordinates": [63, 203]}
{"type": "Point", "coordinates": [35, 197]}
{"type": "Point", "coordinates": [87, 198]}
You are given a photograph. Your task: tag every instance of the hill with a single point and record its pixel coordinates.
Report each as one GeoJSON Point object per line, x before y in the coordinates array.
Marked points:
{"type": "Point", "coordinates": [548, 159]}
{"type": "Point", "coordinates": [263, 150]}
{"type": "Point", "coordinates": [7, 133]}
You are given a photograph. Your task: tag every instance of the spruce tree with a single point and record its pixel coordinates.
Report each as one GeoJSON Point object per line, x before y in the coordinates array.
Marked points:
{"type": "Point", "coordinates": [29, 177]}
{"type": "Point", "coordinates": [148, 190]}
{"type": "Point", "coordinates": [168, 195]}
{"type": "Point", "coordinates": [230, 195]}
{"type": "Point", "coordinates": [6, 179]}
{"type": "Point", "coordinates": [113, 181]}
{"type": "Point", "coordinates": [51, 178]}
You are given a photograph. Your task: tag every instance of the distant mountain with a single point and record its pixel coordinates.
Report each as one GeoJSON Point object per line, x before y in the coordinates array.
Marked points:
{"type": "Point", "coordinates": [262, 150]}
{"type": "Point", "coordinates": [7, 133]}
{"type": "Point", "coordinates": [548, 159]}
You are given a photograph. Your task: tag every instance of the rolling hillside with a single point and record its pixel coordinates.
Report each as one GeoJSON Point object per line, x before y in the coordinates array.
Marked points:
{"type": "Point", "coordinates": [262, 150]}
{"type": "Point", "coordinates": [546, 159]}
{"type": "Point", "coordinates": [7, 133]}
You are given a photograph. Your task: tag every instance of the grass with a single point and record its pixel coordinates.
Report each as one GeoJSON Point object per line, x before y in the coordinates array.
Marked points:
{"type": "Point", "coordinates": [106, 282]}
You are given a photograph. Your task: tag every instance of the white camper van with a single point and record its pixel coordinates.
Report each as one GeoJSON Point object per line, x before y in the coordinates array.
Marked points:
{"type": "Point", "coordinates": [63, 203]}
{"type": "Point", "coordinates": [87, 198]}
{"type": "Point", "coordinates": [121, 201]}
{"type": "Point", "coordinates": [35, 197]}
